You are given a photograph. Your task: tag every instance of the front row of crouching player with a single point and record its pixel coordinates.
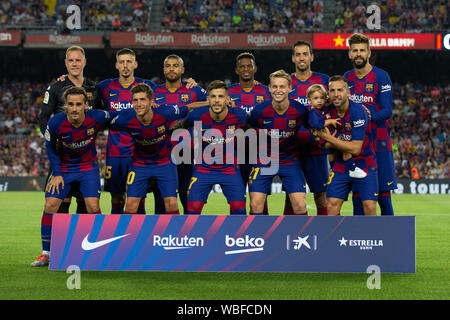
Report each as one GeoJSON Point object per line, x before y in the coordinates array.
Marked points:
{"type": "Point", "coordinates": [341, 127]}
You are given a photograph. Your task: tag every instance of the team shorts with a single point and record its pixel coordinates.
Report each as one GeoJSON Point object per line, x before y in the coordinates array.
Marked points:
{"type": "Point", "coordinates": [201, 183]}
{"type": "Point", "coordinates": [291, 176]}
{"type": "Point", "coordinates": [315, 169]}
{"type": "Point", "coordinates": [165, 175]}
{"type": "Point", "coordinates": [340, 185]}
{"type": "Point", "coordinates": [88, 182]}
{"type": "Point", "coordinates": [116, 173]}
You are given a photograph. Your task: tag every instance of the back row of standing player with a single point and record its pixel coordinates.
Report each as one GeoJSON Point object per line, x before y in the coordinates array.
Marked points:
{"type": "Point", "coordinates": [367, 84]}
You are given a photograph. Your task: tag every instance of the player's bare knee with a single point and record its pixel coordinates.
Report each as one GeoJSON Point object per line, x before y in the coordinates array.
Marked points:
{"type": "Point", "coordinates": [370, 208]}
{"type": "Point", "coordinates": [52, 205]}
{"type": "Point", "coordinates": [320, 198]}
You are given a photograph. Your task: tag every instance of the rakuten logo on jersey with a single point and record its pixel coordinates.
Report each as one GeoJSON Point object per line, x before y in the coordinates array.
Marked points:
{"type": "Point", "coordinates": [303, 100]}
{"type": "Point", "coordinates": [361, 98]}
{"type": "Point", "coordinates": [243, 244]}
{"type": "Point", "coordinates": [117, 106]}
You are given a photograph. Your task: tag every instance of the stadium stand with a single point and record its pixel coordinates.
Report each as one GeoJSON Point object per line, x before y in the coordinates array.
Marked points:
{"type": "Point", "coordinates": [97, 15]}
{"type": "Point", "coordinates": [397, 16]}
{"type": "Point", "coordinates": [243, 16]}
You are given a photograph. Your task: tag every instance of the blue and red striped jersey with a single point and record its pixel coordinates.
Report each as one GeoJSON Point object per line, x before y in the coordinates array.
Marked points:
{"type": "Point", "coordinates": [181, 96]}
{"type": "Point", "coordinates": [299, 87]}
{"type": "Point", "coordinates": [354, 126]}
{"type": "Point", "coordinates": [283, 127]}
{"type": "Point", "coordinates": [152, 144]}
{"type": "Point", "coordinates": [248, 98]}
{"type": "Point", "coordinates": [117, 97]}
{"type": "Point", "coordinates": [218, 138]}
{"type": "Point", "coordinates": [374, 90]}
{"type": "Point", "coordinates": [72, 149]}
{"type": "Point", "coordinates": [306, 139]}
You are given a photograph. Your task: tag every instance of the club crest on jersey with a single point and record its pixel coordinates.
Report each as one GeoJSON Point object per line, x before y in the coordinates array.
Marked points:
{"type": "Point", "coordinates": [369, 87]}
{"type": "Point", "coordinates": [161, 129]}
{"type": "Point", "coordinates": [230, 129]}
{"type": "Point", "coordinates": [90, 95]}
{"type": "Point", "coordinates": [348, 126]}
{"type": "Point", "coordinates": [90, 131]}
{"type": "Point", "coordinates": [259, 99]}
{"type": "Point", "coordinates": [184, 98]}
{"type": "Point", "coordinates": [292, 123]}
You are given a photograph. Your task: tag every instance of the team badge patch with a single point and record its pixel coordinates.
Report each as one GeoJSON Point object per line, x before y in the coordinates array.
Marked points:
{"type": "Point", "coordinates": [259, 99]}
{"type": "Point", "coordinates": [46, 97]}
{"type": "Point", "coordinates": [292, 123]}
{"type": "Point", "coordinates": [161, 129]}
{"type": "Point", "coordinates": [184, 97]}
{"type": "Point", "coordinates": [348, 126]}
{"type": "Point", "coordinates": [90, 131]}
{"type": "Point", "coordinates": [369, 87]}
{"type": "Point", "coordinates": [47, 135]}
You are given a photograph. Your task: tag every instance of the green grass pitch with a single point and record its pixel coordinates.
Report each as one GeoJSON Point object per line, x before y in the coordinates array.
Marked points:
{"type": "Point", "coordinates": [20, 214]}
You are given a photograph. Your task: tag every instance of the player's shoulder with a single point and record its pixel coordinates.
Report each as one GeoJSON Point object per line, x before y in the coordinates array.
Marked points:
{"type": "Point", "coordinates": [89, 83]}
{"type": "Point", "coordinates": [263, 105]}
{"type": "Point", "coordinates": [197, 112]}
{"type": "Point", "coordinates": [105, 83]}
{"type": "Point", "coordinates": [323, 76]}
{"type": "Point", "coordinates": [356, 108]}
{"type": "Point", "coordinates": [235, 87]}
{"type": "Point", "coordinates": [350, 75]}
{"type": "Point", "coordinates": [57, 119]}
{"type": "Point", "coordinates": [160, 87]}
{"type": "Point", "coordinates": [261, 88]}
{"type": "Point", "coordinates": [238, 112]}
{"type": "Point", "coordinates": [146, 81]}
{"type": "Point", "coordinates": [380, 74]}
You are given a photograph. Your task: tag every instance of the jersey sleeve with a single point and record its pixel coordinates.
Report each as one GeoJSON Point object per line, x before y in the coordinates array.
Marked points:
{"type": "Point", "coordinates": [176, 112]}
{"type": "Point", "coordinates": [385, 92]}
{"type": "Point", "coordinates": [201, 93]}
{"type": "Point", "coordinates": [359, 121]}
{"type": "Point", "coordinates": [315, 119]}
{"type": "Point", "coordinates": [50, 143]}
{"type": "Point", "coordinates": [119, 120]}
{"type": "Point", "coordinates": [151, 84]}
{"type": "Point", "coordinates": [48, 107]}
{"type": "Point", "coordinates": [254, 116]}
{"type": "Point", "coordinates": [99, 103]}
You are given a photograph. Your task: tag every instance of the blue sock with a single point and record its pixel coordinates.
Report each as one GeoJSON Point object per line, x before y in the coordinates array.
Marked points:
{"type": "Point", "coordinates": [385, 203]}
{"type": "Point", "coordinates": [358, 209]}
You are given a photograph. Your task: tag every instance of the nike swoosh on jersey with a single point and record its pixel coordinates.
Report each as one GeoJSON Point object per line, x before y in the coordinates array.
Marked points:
{"type": "Point", "coordinates": [86, 245]}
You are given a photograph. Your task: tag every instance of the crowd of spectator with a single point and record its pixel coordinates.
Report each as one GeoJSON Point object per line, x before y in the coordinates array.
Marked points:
{"type": "Point", "coordinates": [397, 16]}
{"type": "Point", "coordinates": [419, 130]}
{"type": "Point", "coordinates": [118, 15]}
{"type": "Point", "coordinates": [243, 16]}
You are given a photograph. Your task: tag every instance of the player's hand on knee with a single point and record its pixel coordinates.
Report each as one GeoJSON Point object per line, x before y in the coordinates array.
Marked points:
{"type": "Point", "coordinates": [54, 184]}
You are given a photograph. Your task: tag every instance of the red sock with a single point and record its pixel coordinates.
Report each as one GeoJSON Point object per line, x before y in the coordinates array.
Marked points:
{"type": "Point", "coordinates": [173, 212]}
{"type": "Point", "coordinates": [322, 211]}
{"type": "Point", "coordinates": [288, 210]}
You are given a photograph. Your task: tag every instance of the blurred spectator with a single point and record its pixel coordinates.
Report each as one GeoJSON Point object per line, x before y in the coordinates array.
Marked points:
{"type": "Point", "coordinates": [275, 16]}
{"type": "Point", "coordinates": [119, 15]}
{"type": "Point", "coordinates": [397, 16]}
